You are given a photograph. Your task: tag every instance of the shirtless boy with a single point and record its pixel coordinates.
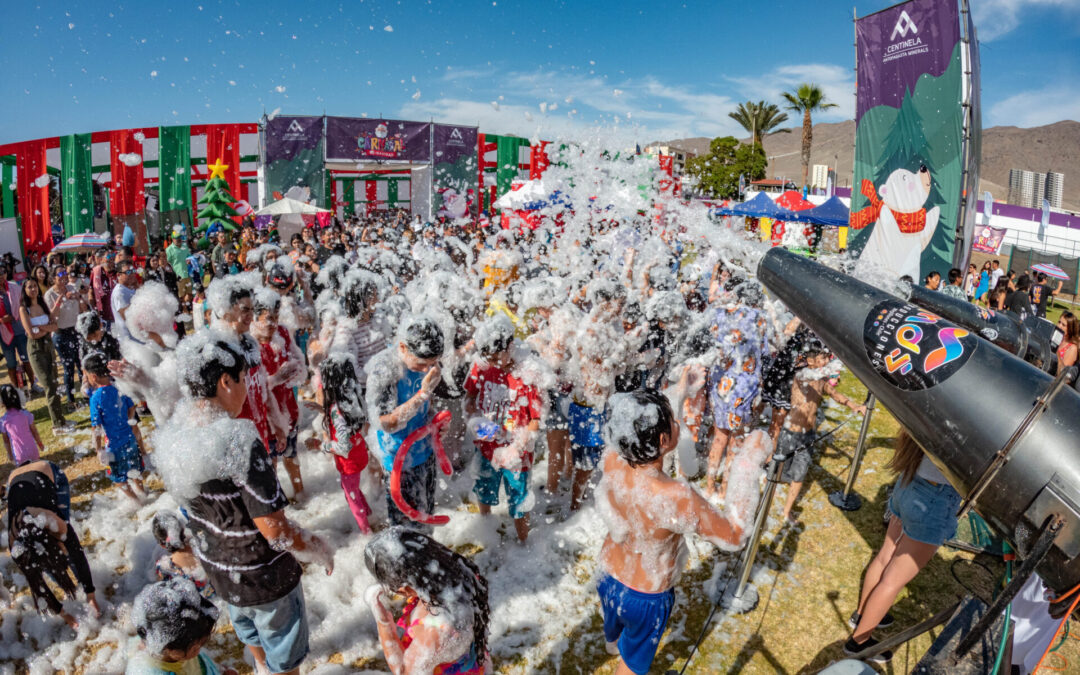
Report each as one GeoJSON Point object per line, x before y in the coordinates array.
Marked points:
{"type": "Point", "coordinates": [647, 514]}
{"type": "Point", "coordinates": [796, 441]}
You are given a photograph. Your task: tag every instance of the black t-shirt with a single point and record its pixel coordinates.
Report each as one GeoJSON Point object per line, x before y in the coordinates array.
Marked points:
{"type": "Point", "coordinates": [1040, 294]}
{"type": "Point", "coordinates": [1017, 302]}
{"type": "Point", "coordinates": [242, 566]}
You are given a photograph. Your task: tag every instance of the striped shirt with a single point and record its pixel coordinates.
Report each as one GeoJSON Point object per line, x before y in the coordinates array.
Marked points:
{"type": "Point", "coordinates": [243, 568]}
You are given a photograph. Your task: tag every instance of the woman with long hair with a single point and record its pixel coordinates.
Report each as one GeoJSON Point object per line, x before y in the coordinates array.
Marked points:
{"type": "Point", "coordinates": [922, 516]}
{"type": "Point", "coordinates": [40, 274]}
{"type": "Point", "coordinates": [997, 297]}
{"type": "Point", "coordinates": [984, 283]}
{"type": "Point", "coordinates": [1067, 351]}
{"type": "Point", "coordinates": [444, 626]}
{"type": "Point", "coordinates": [39, 326]}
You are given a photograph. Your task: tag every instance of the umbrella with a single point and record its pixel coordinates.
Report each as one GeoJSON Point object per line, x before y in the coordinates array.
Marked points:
{"type": "Point", "coordinates": [85, 241]}
{"type": "Point", "coordinates": [1052, 271]}
{"type": "Point", "coordinates": [288, 205]}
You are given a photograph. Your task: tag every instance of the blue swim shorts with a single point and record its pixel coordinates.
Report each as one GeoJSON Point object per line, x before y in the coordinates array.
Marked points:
{"type": "Point", "coordinates": [636, 620]}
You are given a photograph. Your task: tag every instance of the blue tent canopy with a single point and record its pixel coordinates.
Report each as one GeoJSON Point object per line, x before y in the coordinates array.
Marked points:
{"type": "Point", "coordinates": [761, 207]}
{"type": "Point", "coordinates": [832, 212]}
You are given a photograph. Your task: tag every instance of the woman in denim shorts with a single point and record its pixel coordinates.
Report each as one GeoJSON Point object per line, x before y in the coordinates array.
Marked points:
{"type": "Point", "coordinates": [922, 513]}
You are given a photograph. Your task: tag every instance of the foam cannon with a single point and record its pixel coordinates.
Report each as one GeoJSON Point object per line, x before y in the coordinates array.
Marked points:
{"type": "Point", "coordinates": [1002, 431]}
{"type": "Point", "coordinates": [1004, 329]}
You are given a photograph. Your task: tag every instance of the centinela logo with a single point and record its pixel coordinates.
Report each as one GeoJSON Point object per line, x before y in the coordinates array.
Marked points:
{"type": "Point", "coordinates": [295, 126]}
{"type": "Point", "coordinates": [456, 134]}
{"type": "Point", "coordinates": [903, 25]}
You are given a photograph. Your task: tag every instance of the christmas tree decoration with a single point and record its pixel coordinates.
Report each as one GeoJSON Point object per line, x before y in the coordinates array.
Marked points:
{"type": "Point", "coordinates": [217, 212]}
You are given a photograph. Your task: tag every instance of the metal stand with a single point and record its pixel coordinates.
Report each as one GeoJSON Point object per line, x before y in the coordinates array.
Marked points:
{"type": "Point", "coordinates": [733, 599]}
{"type": "Point", "coordinates": [847, 500]}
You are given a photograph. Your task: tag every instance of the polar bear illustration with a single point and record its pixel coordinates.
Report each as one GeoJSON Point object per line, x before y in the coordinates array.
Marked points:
{"type": "Point", "coordinates": [904, 227]}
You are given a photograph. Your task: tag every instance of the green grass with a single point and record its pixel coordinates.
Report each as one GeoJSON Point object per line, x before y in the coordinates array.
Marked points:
{"type": "Point", "coordinates": [800, 622]}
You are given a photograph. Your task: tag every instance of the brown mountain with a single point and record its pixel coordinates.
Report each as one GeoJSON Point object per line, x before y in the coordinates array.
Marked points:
{"type": "Point", "coordinates": [1048, 148]}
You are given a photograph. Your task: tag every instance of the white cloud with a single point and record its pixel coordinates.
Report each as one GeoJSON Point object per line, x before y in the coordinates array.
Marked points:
{"type": "Point", "coordinates": [995, 18]}
{"type": "Point", "coordinates": [837, 82]}
{"type": "Point", "coordinates": [1035, 108]}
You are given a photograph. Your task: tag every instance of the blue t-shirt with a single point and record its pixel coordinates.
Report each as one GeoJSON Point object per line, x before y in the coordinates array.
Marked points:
{"type": "Point", "coordinates": [586, 425]}
{"type": "Point", "coordinates": [390, 442]}
{"type": "Point", "coordinates": [109, 410]}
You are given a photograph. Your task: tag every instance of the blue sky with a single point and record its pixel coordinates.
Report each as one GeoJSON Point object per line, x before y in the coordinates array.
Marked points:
{"type": "Point", "coordinates": [656, 69]}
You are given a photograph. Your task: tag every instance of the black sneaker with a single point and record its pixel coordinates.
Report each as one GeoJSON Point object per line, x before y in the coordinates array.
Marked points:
{"type": "Point", "coordinates": [851, 648]}
{"type": "Point", "coordinates": [885, 622]}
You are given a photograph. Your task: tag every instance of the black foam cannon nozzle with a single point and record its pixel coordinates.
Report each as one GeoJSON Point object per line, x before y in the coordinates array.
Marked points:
{"type": "Point", "coordinates": [959, 396]}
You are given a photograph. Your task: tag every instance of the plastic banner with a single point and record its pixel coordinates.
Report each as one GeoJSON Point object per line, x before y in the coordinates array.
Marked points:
{"type": "Point", "coordinates": [32, 187]}
{"type": "Point", "coordinates": [76, 184]}
{"type": "Point", "coordinates": [351, 139]}
{"type": "Point", "coordinates": [909, 158]}
{"type": "Point", "coordinates": [294, 157]}
{"type": "Point", "coordinates": [174, 168]}
{"type": "Point", "coordinates": [454, 168]}
{"type": "Point", "coordinates": [988, 239]}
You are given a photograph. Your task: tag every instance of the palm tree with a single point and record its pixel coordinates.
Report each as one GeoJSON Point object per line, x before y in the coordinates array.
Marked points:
{"type": "Point", "coordinates": [805, 99]}
{"type": "Point", "coordinates": [759, 119]}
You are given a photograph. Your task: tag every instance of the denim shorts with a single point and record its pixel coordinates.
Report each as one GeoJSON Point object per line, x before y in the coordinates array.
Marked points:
{"type": "Point", "coordinates": [586, 458]}
{"type": "Point", "coordinates": [280, 628]}
{"type": "Point", "coordinates": [18, 344]}
{"type": "Point", "coordinates": [927, 511]}
{"type": "Point", "coordinates": [289, 451]}
{"type": "Point", "coordinates": [516, 483]}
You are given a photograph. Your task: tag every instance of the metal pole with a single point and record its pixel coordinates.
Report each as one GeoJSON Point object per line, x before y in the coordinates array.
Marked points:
{"type": "Point", "coordinates": [847, 500]}
{"type": "Point", "coordinates": [747, 561]}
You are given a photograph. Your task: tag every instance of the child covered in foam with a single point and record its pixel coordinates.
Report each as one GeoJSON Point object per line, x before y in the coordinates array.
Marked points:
{"type": "Point", "coordinates": [647, 514]}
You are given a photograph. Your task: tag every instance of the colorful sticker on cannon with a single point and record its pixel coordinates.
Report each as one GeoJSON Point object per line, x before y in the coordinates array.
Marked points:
{"type": "Point", "coordinates": [913, 348]}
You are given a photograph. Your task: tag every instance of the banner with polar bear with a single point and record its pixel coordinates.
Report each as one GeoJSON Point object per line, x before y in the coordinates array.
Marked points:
{"type": "Point", "coordinates": [454, 165]}
{"type": "Point", "coordinates": [909, 138]}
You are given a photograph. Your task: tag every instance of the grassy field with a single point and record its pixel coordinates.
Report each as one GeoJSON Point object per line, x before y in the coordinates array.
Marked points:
{"type": "Point", "coordinates": [808, 580]}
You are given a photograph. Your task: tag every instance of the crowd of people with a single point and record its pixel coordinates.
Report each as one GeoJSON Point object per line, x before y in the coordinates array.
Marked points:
{"type": "Point", "coordinates": [401, 349]}
{"type": "Point", "coordinates": [1027, 296]}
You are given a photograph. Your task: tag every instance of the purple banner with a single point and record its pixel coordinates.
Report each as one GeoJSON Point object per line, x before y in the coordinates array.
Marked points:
{"type": "Point", "coordinates": [356, 138]}
{"type": "Point", "coordinates": [287, 137]}
{"type": "Point", "coordinates": [898, 45]}
{"type": "Point", "coordinates": [455, 170]}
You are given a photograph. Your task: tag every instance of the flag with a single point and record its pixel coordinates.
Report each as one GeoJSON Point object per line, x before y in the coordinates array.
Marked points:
{"type": "Point", "coordinates": [830, 187]}
{"type": "Point", "coordinates": [742, 183]}
{"type": "Point", "coordinates": [174, 168]}
{"type": "Point", "coordinates": [76, 184]}
{"type": "Point", "coordinates": [32, 185]}
{"type": "Point", "coordinates": [988, 206]}
{"type": "Point", "coordinates": [1044, 219]}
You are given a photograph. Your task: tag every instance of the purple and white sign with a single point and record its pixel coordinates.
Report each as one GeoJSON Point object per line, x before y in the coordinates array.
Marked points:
{"type": "Point", "coordinates": [898, 45]}
{"type": "Point", "coordinates": [358, 138]}
{"type": "Point", "coordinates": [287, 137]}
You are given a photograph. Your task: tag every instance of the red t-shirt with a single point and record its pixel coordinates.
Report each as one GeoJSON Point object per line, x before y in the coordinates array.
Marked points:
{"type": "Point", "coordinates": [273, 358]}
{"type": "Point", "coordinates": [505, 400]}
{"type": "Point", "coordinates": [255, 403]}
{"type": "Point", "coordinates": [358, 456]}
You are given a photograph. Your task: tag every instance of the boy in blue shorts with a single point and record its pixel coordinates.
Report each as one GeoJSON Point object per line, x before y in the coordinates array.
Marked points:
{"type": "Point", "coordinates": [647, 514]}
{"type": "Point", "coordinates": [506, 414]}
{"type": "Point", "coordinates": [117, 439]}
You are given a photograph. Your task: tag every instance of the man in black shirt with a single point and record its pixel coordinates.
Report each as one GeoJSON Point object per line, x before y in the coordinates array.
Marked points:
{"type": "Point", "coordinates": [219, 468]}
{"type": "Point", "coordinates": [1040, 295]}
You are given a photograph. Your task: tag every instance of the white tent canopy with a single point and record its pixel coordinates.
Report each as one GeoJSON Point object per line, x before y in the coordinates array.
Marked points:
{"type": "Point", "coordinates": [289, 205]}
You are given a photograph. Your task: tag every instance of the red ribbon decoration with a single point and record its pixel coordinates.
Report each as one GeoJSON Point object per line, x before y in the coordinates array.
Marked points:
{"type": "Point", "coordinates": [433, 427]}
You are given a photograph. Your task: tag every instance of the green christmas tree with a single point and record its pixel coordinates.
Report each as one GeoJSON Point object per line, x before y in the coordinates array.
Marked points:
{"type": "Point", "coordinates": [217, 201]}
